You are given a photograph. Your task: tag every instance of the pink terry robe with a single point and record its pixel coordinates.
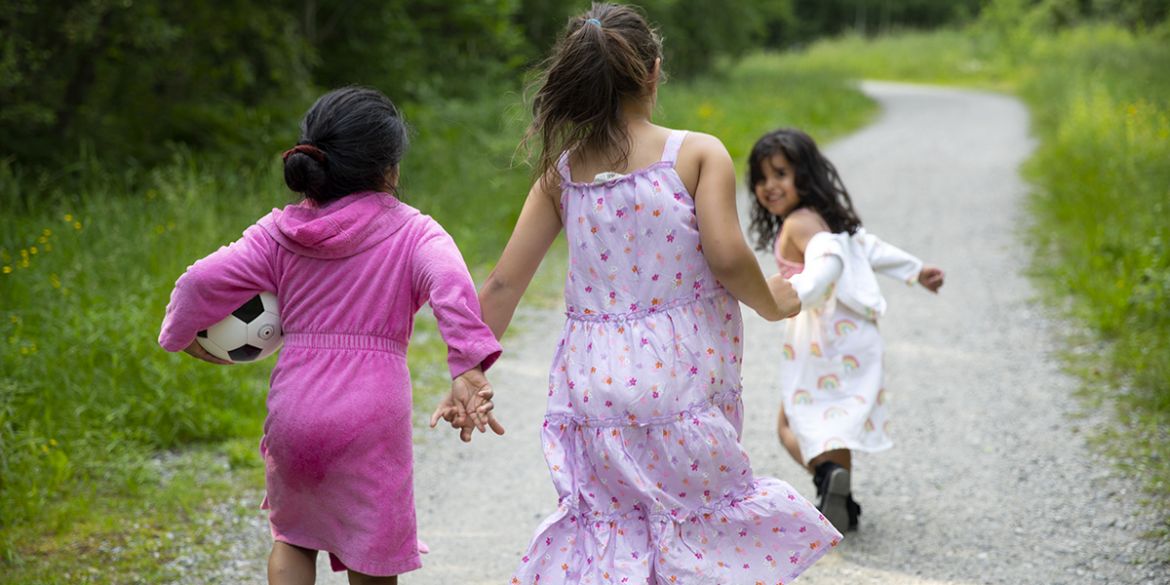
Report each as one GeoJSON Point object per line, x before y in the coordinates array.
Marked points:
{"type": "Point", "coordinates": [349, 276]}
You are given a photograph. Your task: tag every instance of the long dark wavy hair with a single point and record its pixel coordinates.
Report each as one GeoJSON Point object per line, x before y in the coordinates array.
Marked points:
{"type": "Point", "coordinates": [603, 56]}
{"type": "Point", "coordinates": [817, 182]}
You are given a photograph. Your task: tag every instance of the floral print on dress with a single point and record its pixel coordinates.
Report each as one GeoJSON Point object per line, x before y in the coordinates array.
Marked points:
{"type": "Point", "coordinates": [641, 435]}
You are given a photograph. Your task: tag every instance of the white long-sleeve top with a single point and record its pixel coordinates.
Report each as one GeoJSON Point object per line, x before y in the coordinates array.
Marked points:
{"type": "Point", "coordinates": [849, 262]}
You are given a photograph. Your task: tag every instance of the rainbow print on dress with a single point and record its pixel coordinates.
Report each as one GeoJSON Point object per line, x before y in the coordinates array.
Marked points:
{"type": "Point", "coordinates": [850, 364]}
{"type": "Point", "coordinates": [835, 412]}
{"type": "Point", "coordinates": [802, 397]}
{"type": "Point", "coordinates": [828, 382]}
{"type": "Point", "coordinates": [844, 327]}
{"type": "Point", "coordinates": [789, 352]}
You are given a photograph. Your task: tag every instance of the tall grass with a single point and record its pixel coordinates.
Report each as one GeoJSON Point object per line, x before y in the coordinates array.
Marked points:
{"type": "Point", "coordinates": [88, 256]}
{"type": "Point", "coordinates": [1102, 205]}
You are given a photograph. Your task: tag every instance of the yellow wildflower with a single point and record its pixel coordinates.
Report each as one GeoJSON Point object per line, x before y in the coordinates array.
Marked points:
{"type": "Point", "coordinates": [68, 217]}
{"type": "Point", "coordinates": [33, 250]}
{"type": "Point", "coordinates": [7, 270]}
{"type": "Point", "coordinates": [48, 232]}
{"type": "Point", "coordinates": [77, 225]}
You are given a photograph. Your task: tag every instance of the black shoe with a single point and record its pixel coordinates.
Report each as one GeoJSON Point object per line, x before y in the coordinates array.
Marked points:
{"type": "Point", "coordinates": [833, 494]}
{"type": "Point", "coordinates": [854, 510]}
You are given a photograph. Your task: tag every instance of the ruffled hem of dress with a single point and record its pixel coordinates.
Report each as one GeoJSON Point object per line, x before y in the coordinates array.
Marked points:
{"type": "Point", "coordinates": [573, 547]}
{"type": "Point", "coordinates": [721, 400]}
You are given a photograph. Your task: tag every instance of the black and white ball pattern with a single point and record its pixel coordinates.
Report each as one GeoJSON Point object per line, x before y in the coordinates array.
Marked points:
{"type": "Point", "coordinates": [250, 333]}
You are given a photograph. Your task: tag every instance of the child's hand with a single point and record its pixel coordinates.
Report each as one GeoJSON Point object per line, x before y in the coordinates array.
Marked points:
{"type": "Point", "coordinates": [197, 350]}
{"type": "Point", "coordinates": [784, 295]}
{"type": "Point", "coordinates": [468, 405]}
{"type": "Point", "coordinates": [931, 278]}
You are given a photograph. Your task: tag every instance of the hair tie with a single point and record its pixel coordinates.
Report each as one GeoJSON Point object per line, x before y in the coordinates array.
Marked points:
{"type": "Point", "coordinates": [306, 149]}
{"type": "Point", "coordinates": [593, 21]}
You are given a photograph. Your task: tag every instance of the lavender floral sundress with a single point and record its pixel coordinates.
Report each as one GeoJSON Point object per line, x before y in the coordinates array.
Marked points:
{"type": "Point", "coordinates": [644, 414]}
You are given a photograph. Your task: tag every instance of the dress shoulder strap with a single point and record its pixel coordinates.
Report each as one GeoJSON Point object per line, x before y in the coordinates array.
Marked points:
{"type": "Point", "coordinates": [563, 167]}
{"type": "Point", "coordinates": [673, 145]}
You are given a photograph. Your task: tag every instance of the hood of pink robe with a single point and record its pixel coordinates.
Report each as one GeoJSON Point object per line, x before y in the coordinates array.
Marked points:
{"type": "Point", "coordinates": [340, 228]}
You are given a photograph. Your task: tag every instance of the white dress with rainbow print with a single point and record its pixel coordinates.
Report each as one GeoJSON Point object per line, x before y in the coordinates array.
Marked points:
{"type": "Point", "coordinates": [831, 378]}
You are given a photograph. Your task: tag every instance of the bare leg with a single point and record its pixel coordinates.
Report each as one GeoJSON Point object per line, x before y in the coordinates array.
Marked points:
{"type": "Point", "coordinates": [787, 437]}
{"type": "Point", "coordinates": [291, 565]}
{"type": "Point", "coordinates": [356, 578]}
{"type": "Point", "coordinates": [842, 457]}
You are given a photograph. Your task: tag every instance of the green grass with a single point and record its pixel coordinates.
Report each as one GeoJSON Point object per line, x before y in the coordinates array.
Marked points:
{"type": "Point", "coordinates": [89, 404]}
{"type": "Point", "coordinates": [1100, 103]}
{"type": "Point", "coordinates": [764, 92]}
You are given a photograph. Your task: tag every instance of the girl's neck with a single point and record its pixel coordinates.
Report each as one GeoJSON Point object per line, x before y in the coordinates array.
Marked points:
{"type": "Point", "coordinates": [637, 112]}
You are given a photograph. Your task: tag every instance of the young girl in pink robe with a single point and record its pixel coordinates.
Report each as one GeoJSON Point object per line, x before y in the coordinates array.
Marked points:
{"type": "Point", "coordinates": [350, 264]}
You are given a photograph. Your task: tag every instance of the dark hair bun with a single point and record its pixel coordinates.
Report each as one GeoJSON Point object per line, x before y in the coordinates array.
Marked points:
{"type": "Point", "coordinates": [351, 140]}
{"type": "Point", "coordinates": [303, 174]}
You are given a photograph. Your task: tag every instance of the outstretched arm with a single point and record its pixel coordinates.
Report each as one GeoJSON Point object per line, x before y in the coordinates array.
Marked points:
{"type": "Point", "coordinates": [892, 261]}
{"type": "Point", "coordinates": [724, 247]}
{"type": "Point", "coordinates": [535, 230]}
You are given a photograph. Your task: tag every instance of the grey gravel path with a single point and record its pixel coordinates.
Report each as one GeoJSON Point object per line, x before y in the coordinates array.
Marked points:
{"type": "Point", "coordinates": [990, 480]}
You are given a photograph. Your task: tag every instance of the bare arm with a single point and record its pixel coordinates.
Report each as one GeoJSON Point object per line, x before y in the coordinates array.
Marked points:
{"type": "Point", "coordinates": [535, 230]}
{"type": "Point", "coordinates": [726, 252]}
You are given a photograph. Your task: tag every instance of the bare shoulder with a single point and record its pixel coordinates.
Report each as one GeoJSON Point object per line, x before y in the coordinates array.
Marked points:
{"type": "Point", "coordinates": [703, 156]}
{"type": "Point", "coordinates": [700, 145]}
{"type": "Point", "coordinates": [801, 225]}
{"type": "Point", "coordinates": [548, 186]}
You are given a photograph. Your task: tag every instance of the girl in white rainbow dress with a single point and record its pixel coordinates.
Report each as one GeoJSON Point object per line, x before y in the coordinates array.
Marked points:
{"type": "Point", "coordinates": [831, 378]}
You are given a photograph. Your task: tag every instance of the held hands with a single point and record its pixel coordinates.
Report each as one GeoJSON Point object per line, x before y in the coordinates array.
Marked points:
{"type": "Point", "coordinates": [197, 350]}
{"type": "Point", "coordinates": [931, 278]}
{"type": "Point", "coordinates": [784, 295]}
{"type": "Point", "coordinates": [468, 405]}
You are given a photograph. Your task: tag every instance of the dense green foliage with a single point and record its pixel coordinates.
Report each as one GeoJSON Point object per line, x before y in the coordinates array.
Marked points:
{"type": "Point", "coordinates": [1100, 100]}
{"type": "Point", "coordinates": [129, 81]}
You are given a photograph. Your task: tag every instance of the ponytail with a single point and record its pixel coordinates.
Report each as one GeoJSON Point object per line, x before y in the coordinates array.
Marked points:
{"type": "Point", "coordinates": [604, 56]}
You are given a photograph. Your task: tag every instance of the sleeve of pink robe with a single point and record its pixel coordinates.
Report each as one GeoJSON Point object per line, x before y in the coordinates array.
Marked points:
{"type": "Point", "coordinates": [215, 286]}
{"type": "Point", "coordinates": [441, 278]}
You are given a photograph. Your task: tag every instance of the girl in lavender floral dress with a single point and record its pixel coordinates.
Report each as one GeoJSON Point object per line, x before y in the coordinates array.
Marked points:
{"type": "Point", "coordinates": [642, 430]}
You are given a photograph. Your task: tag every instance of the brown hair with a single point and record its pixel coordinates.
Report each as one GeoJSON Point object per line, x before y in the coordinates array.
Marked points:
{"type": "Point", "coordinates": [817, 183]}
{"type": "Point", "coordinates": [604, 55]}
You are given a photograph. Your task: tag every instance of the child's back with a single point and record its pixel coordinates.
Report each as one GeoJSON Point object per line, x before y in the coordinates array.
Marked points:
{"type": "Point", "coordinates": [651, 333]}
{"type": "Point", "coordinates": [350, 272]}
{"type": "Point", "coordinates": [641, 435]}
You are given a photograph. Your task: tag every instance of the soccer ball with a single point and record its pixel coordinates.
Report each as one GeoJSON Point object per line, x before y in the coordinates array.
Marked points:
{"type": "Point", "coordinates": [250, 333]}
